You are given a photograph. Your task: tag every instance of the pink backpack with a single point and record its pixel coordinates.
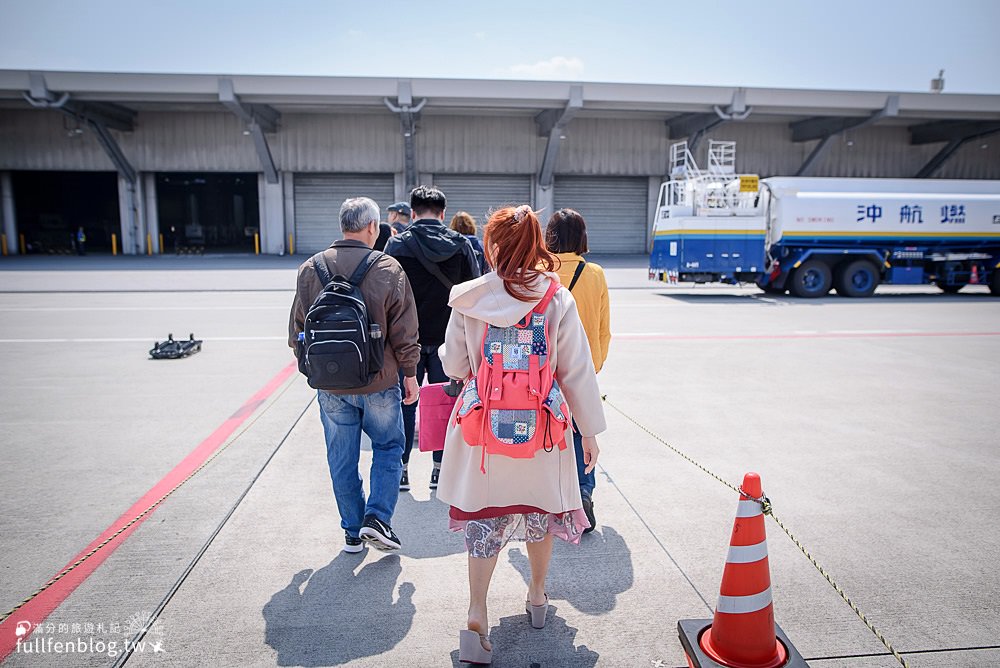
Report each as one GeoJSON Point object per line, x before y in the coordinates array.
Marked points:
{"type": "Point", "coordinates": [513, 405]}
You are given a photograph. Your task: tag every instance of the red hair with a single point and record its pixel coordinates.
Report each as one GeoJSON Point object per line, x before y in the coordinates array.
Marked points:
{"type": "Point", "coordinates": [520, 253]}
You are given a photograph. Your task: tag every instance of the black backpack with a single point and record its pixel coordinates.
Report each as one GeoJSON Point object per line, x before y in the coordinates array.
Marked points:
{"type": "Point", "coordinates": [340, 348]}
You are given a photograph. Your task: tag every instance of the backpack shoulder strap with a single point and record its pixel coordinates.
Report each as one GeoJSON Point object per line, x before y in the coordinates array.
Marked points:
{"type": "Point", "coordinates": [431, 268]}
{"type": "Point", "coordinates": [549, 294]}
{"type": "Point", "coordinates": [319, 265]}
{"type": "Point", "coordinates": [576, 274]}
{"type": "Point", "coordinates": [369, 260]}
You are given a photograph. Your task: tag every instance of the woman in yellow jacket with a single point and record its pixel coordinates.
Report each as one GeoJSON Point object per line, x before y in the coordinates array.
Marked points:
{"type": "Point", "coordinates": [566, 237]}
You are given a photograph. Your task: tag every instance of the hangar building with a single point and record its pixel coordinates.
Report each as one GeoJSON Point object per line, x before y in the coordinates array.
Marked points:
{"type": "Point", "coordinates": [170, 162]}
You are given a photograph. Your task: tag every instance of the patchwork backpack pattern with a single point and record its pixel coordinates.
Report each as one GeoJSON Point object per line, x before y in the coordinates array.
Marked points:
{"type": "Point", "coordinates": [513, 406]}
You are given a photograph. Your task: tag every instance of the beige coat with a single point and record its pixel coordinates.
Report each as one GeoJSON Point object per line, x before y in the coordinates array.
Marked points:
{"type": "Point", "coordinates": [548, 480]}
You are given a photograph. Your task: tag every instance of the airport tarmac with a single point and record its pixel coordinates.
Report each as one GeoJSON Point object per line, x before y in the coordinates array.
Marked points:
{"type": "Point", "coordinates": [873, 424]}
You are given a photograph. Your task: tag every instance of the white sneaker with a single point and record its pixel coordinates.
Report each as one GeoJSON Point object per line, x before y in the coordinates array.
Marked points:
{"type": "Point", "coordinates": [351, 544]}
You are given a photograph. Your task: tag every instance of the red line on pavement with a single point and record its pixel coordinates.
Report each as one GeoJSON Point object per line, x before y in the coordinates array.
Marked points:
{"type": "Point", "coordinates": [804, 335]}
{"type": "Point", "coordinates": [40, 607]}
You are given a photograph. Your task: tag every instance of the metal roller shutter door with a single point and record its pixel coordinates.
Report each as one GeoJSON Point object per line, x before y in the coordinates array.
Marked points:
{"type": "Point", "coordinates": [615, 209]}
{"type": "Point", "coordinates": [479, 193]}
{"type": "Point", "coordinates": [317, 204]}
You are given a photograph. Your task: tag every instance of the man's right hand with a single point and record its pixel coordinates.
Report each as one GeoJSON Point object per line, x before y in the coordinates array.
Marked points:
{"type": "Point", "coordinates": [411, 389]}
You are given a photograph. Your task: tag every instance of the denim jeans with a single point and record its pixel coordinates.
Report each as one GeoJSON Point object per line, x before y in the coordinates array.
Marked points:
{"type": "Point", "coordinates": [344, 417]}
{"type": "Point", "coordinates": [428, 364]}
{"type": "Point", "coordinates": [587, 480]}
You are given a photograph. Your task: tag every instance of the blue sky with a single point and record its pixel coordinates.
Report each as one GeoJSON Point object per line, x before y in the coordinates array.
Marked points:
{"type": "Point", "coordinates": [850, 44]}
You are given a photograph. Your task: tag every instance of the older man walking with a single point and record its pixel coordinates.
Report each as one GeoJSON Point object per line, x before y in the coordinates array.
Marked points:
{"type": "Point", "coordinates": [373, 408]}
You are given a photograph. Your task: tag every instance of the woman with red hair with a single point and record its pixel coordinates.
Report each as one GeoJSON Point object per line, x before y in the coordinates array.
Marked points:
{"type": "Point", "coordinates": [495, 498]}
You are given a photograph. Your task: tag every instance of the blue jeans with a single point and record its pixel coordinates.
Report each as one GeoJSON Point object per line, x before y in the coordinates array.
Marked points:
{"type": "Point", "coordinates": [428, 364]}
{"type": "Point", "coordinates": [587, 480]}
{"type": "Point", "coordinates": [344, 416]}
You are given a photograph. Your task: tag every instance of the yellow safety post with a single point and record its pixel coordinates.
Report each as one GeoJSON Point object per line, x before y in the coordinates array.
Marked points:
{"type": "Point", "coordinates": [3, 242]}
{"type": "Point", "coordinates": [149, 244]}
{"type": "Point", "coordinates": [24, 248]}
{"type": "Point", "coordinates": [114, 244]}
{"type": "Point", "coordinates": [161, 244]}
{"type": "Point", "coordinates": [291, 245]}
{"type": "Point", "coordinates": [256, 244]}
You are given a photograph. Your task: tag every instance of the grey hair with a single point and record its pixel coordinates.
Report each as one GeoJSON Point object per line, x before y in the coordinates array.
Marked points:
{"type": "Point", "coordinates": [357, 213]}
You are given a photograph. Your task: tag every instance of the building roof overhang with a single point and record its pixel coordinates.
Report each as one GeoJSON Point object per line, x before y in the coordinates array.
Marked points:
{"type": "Point", "coordinates": [299, 94]}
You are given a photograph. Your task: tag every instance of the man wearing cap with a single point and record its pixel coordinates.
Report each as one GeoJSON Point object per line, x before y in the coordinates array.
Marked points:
{"type": "Point", "coordinates": [399, 216]}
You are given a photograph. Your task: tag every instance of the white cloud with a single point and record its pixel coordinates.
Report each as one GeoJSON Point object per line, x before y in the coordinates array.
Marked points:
{"type": "Point", "coordinates": [557, 67]}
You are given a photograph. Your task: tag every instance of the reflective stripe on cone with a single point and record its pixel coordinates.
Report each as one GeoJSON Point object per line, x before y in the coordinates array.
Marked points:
{"type": "Point", "coordinates": [742, 633]}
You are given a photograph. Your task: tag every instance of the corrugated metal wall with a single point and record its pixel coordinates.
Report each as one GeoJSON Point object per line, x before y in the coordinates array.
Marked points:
{"type": "Point", "coordinates": [478, 144]}
{"type": "Point", "coordinates": [371, 142]}
{"type": "Point", "coordinates": [193, 142]}
{"type": "Point", "coordinates": [339, 143]}
{"type": "Point", "coordinates": [761, 148]}
{"type": "Point", "coordinates": [614, 147]}
{"type": "Point", "coordinates": [38, 140]}
{"type": "Point", "coordinates": [885, 152]}
{"type": "Point", "coordinates": [972, 161]}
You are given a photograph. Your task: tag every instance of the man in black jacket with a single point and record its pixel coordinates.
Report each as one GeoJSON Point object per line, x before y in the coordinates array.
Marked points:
{"type": "Point", "coordinates": [434, 258]}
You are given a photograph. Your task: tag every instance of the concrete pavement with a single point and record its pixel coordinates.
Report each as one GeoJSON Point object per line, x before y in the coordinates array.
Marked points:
{"type": "Point", "coordinates": [871, 422]}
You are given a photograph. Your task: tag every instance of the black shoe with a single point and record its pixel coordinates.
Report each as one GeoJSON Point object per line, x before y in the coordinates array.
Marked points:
{"type": "Point", "coordinates": [588, 510]}
{"type": "Point", "coordinates": [352, 544]}
{"type": "Point", "coordinates": [404, 482]}
{"type": "Point", "coordinates": [379, 535]}
{"type": "Point", "coordinates": [434, 477]}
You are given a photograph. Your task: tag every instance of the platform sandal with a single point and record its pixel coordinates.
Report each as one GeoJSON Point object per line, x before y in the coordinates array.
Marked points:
{"type": "Point", "coordinates": [537, 612]}
{"type": "Point", "coordinates": [471, 650]}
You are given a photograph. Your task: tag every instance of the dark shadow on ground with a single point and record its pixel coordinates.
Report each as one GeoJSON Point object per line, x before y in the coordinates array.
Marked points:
{"type": "Point", "coordinates": [324, 618]}
{"type": "Point", "coordinates": [423, 528]}
{"type": "Point", "coordinates": [588, 576]}
{"type": "Point", "coordinates": [168, 261]}
{"type": "Point", "coordinates": [878, 299]}
{"type": "Point", "coordinates": [516, 643]}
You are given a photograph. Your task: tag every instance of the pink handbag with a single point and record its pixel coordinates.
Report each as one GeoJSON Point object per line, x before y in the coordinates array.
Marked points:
{"type": "Point", "coordinates": [434, 411]}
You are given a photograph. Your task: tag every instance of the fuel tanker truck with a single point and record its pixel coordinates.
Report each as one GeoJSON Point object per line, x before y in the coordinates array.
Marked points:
{"type": "Point", "coordinates": [810, 235]}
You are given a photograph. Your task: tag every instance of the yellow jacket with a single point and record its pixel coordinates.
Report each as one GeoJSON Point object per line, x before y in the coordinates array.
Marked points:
{"type": "Point", "coordinates": [591, 294]}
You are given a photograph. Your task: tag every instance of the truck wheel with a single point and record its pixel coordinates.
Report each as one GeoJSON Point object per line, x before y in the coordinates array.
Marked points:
{"type": "Point", "coordinates": [948, 288]}
{"type": "Point", "coordinates": [857, 279]}
{"type": "Point", "coordinates": [995, 283]}
{"type": "Point", "coordinates": [811, 280]}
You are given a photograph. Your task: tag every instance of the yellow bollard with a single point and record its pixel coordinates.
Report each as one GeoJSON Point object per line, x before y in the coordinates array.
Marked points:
{"type": "Point", "coordinates": [3, 242]}
{"type": "Point", "coordinates": [149, 244]}
{"type": "Point", "coordinates": [161, 244]}
{"type": "Point", "coordinates": [256, 244]}
{"type": "Point", "coordinates": [114, 244]}
{"type": "Point", "coordinates": [24, 247]}
{"type": "Point", "coordinates": [291, 245]}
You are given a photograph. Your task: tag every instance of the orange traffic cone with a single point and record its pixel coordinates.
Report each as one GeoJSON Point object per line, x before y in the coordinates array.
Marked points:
{"type": "Point", "coordinates": [743, 633]}
{"type": "Point", "coordinates": [974, 279]}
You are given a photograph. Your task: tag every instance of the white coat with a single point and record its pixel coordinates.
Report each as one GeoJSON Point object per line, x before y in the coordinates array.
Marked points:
{"type": "Point", "coordinates": [547, 481]}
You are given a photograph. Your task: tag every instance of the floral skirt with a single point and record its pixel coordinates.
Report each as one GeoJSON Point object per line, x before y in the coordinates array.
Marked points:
{"type": "Point", "coordinates": [484, 538]}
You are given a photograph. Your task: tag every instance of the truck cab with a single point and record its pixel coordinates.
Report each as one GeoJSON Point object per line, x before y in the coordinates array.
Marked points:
{"type": "Point", "coordinates": [710, 225]}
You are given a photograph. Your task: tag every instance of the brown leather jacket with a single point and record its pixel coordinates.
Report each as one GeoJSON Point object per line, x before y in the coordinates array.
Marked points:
{"type": "Point", "coordinates": [390, 303]}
